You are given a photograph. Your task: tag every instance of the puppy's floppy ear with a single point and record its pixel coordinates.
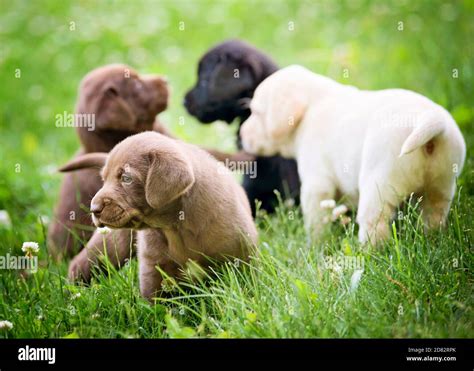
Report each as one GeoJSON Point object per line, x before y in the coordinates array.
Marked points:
{"type": "Point", "coordinates": [260, 65]}
{"type": "Point", "coordinates": [255, 66]}
{"type": "Point", "coordinates": [286, 108]}
{"type": "Point", "coordinates": [170, 175]}
{"type": "Point", "coordinates": [86, 161]}
{"type": "Point", "coordinates": [113, 112]}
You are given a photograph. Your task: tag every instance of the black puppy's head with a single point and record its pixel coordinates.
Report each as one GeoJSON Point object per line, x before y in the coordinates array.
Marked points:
{"type": "Point", "coordinates": [228, 74]}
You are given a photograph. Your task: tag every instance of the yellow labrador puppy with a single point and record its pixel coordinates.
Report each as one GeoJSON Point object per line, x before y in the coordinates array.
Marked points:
{"type": "Point", "coordinates": [373, 147]}
{"type": "Point", "coordinates": [184, 204]}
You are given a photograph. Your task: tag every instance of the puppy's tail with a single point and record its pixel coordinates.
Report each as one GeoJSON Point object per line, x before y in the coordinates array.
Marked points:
{"type": "Point", "coordinates": [430, 126]}
{"type": "Point", "coordinates": [86, 161]}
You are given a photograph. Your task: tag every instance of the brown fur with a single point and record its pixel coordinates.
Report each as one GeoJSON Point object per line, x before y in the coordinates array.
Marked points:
{"type": "Point", "coordinates": [184, 204]}
{"type": "Point", "coordinates": [124, 103]}
{"type": "Point", "coordinates": [117, 246]}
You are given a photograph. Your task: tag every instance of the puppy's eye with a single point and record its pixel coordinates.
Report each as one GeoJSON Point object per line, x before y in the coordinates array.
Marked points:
{"type": "Point", "coordinates": [126, 178]}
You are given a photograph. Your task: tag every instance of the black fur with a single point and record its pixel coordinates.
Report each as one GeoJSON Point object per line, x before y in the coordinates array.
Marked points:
{"type": "Point", "coordinates": [220, 95]}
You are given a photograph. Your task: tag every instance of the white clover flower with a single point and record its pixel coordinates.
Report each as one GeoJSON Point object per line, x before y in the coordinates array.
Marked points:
{"type": "Point", "coordinates": [6, 325]}
{"type": "Point", "coordinates": [30, 248]}
{"type": "Point", "coordinates": [95, 315]}
{"type": "Point", "coordinates": [77, 295]}
{"type": "Point", "coordinates": [345, 220]}
{"type": "Point", "coordinates": [5, 219]}
{"type": "Point", "coordinates": [355, 279]}
{"type": "Point", "coordinates": [327, 204]}
{"type": "Point", "coordinates": [339, 211]}
{"type": "Point", "coordinates": [104, 230]}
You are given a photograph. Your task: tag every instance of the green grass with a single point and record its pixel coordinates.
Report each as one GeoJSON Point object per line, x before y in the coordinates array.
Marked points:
{"type": "Point", "coordinates": [417, 285]}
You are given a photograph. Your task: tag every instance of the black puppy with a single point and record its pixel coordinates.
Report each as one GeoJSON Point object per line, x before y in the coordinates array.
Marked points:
{"type": "Point", "coordinates": [228, 75]}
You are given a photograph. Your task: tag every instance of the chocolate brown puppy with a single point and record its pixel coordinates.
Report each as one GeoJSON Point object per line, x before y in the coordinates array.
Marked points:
{"type": "Point", "coordinates": [117, 102]}
{"type": "Point", "coordinates": [185, 205]}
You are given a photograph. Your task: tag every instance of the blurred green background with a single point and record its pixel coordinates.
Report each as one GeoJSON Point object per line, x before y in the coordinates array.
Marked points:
{"type": "Point", "coordinates": [46, 47]}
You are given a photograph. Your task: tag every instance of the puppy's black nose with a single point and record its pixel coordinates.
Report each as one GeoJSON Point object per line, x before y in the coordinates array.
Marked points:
{"type": "Point", "coordinates": [188, 101]}
{"type": "Point", "coordinates": [96, 209]}
{"type": "Point", "coordinates": [98, 206]}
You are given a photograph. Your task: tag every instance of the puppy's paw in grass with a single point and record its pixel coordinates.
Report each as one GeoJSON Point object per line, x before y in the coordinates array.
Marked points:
{"type": "Point", "coordinates": [79, 268]}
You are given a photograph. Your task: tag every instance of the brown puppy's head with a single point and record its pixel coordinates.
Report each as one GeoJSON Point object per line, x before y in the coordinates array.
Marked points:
{"type": "Point", "coordinates": [121, 100]}
{"type": "Point", "coordinates": [143, 175]}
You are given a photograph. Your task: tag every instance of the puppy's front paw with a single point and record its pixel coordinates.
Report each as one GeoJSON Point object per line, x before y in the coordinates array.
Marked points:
{"type": "Point", "coordinates": [374, 235]}
{"type": "Point", "coordinates": [79, 269]}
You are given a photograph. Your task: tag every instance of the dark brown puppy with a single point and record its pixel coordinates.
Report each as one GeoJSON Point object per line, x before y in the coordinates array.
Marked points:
{"type": "Point", "coordinates": [228, 75]}
{"type": "Point", "coordinates": [119, 103]}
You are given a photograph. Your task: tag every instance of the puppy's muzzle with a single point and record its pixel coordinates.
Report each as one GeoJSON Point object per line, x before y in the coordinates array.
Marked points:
{"type": "Point", "coordinates": [197, 104]}
{"type": "Point", "coordinates": [106, 212]}
{"type": "Point", "coordinates": [98, 206]}
{"type": "Point", "coordinates": [189, 102]}
{"type": "Point", "coordinates": [249, 142]}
